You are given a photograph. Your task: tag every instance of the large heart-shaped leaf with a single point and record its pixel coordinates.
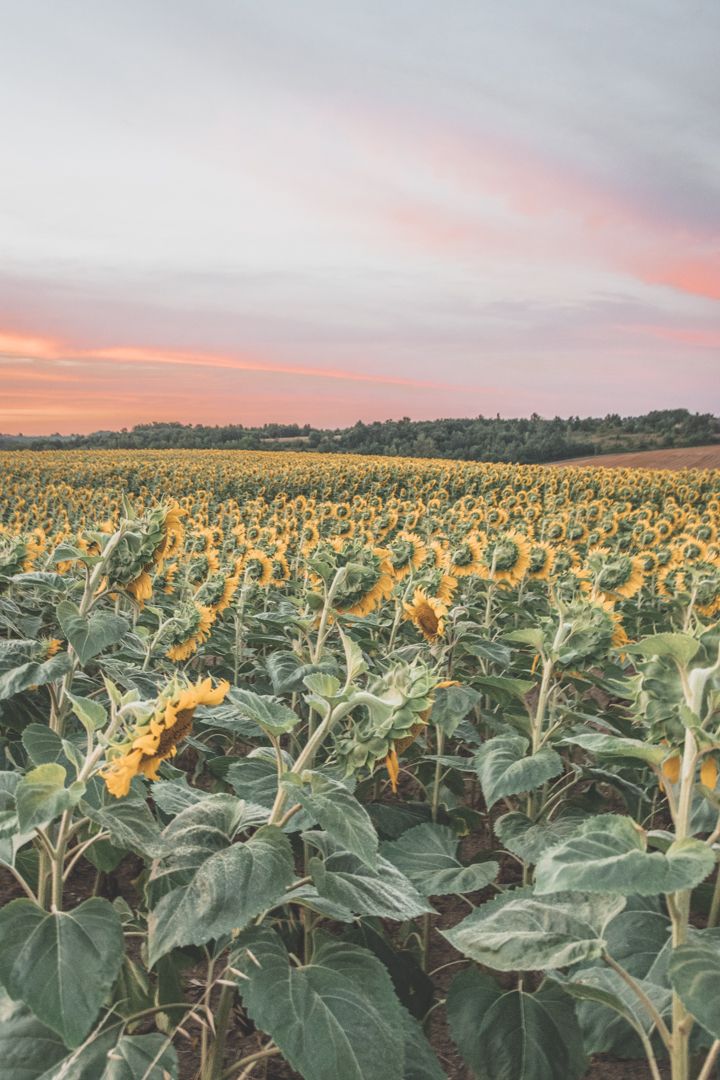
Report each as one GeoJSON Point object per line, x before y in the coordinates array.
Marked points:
{"type": "Point", "coordinates": [62, 963]}
{"type": "Point", "coordinates": [512, 1035]}
{"type": "Point", "coordinates": [451, 706]}
{"type": "Point", "coordinates": [265, 712]}
{"type": "Point", "coordinates": [505, 768]}
{"type": "Point", "coordinates": [614, 746]}
{"type": "Point", "coordinates": [519, 834]}
{"type": "Point", "coordinates": [520, 931]}
{"type": "Point", "coordinates": [382, 891]}
{"type": "Point", "coordinates": [609, 1010]}
{"type": "Point", "coordinates": [207, 825]}
{"type": "Point", "coordinates": [340, 814]}
{"type": "Point", "coordinates": [695, 976]}
{"type": "Point", "coordinates": [89, 635]}
{"type": "Point", "coordinates": [338, 1016]}
{"type": "Point", "coordinates": [131, 825]}
{"type": "Point", "coordinates": [27, 1047]}
{"type": "Point", "coordinates": [41, 796]}
{"type": "Point", "coordinates": [227, 891]}
{"type": "Point", "coordinates": [33, 674]}
{"type": "Point", "coordinates": [608, 854]}
{"type": "Point", "coordinates": [427, 857]}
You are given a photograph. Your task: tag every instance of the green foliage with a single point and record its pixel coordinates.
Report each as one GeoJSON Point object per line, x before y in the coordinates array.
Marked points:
{"type": "Point", "coordinates": [335, 1016]}
{"type": "Point", "coordinates": [62, 964]}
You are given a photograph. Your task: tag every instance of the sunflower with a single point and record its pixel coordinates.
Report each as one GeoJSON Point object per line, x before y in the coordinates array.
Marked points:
{"type": "Point", "coordinates": [542, 557]}
{"type": "Point", "coordinates": [507, 557]}
{"type": "Point", "coordinates": [465, 557]}
{"type": "Point", "coordinates": [151, 743]}
{"type": "Point", "coordinates": [173, 534]}
{"type": "Point", "coordinates": [709, 773]}
{"type": "Point", "coordinates": [217, 592]}
{"type": "Point", "coordinates": [188, 629]}
{"type": "Point", "coordinates": [427, 614]}
{"type": "Point", "coordinates": [615, 575]}
{"type": "Point", "coordinates": [407, 553]}
{"type": "Point", "coordinates": [257, 566]}
{"type": "Point", "coordinates": [369, 578]}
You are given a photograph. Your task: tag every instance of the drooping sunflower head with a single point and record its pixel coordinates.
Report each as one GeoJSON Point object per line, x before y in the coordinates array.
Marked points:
{"type": "Point", "coordinates": [427, 614]}
{"type": "Point", "coordinates": [368, 580]}
{"type": "Point", "coordinates": [217, 591]}
{"type": "Point", "coordinates": [150, 742]}
{"type": "Point", "coordinates": [256, 567]}
{"type": "Point", "coordinates": [591, 628]}
{"type": "Point", "coordinates": [188, 629]}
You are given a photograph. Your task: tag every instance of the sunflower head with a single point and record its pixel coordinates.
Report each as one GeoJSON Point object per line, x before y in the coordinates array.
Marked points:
{"type": "Point", "coordinates": [427, 614]}
{"type": "Point", "coordinates": [149, 743]}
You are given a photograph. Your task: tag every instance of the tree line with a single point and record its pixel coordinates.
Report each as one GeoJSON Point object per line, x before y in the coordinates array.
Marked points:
{"type": "Point", "coordinates": [525, 440]}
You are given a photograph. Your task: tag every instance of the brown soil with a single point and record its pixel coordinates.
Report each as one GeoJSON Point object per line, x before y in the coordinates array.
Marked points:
{"type": "Point", "coordinates": [691, 457]}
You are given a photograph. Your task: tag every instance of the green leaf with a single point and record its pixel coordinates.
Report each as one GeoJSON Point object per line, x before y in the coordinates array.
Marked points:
{"type": "Point", "coordinates": [602, 993]}
{"type": "Point", "coordinates": [205, 826]}
{"type": "Point", "coordinates": [90, 636]}
{"type": "Point", "coordinates": [427, 857]}
{"type": "Point", "coordinates": [420, 1061]}
{"type": "Point", "coordinates": [131, 826]}
{"type": "Point", "coordinates": [512, 1035]}
{"type": "Point", "coordinates": [33, 674]}
{"type": "Point", "coordinates": [637, 937]}
{"type": "Point", "coordinates": [504, 767]}
{"type": "Point", "coordinates": [518, 834]}
{"type": "Point", "coordinates": [608, 854]}
{"type": "Point", "coordinates": [341, 815]}
{"type": "Point", "coordinates": [27, 1047]}
{"type": "Point", "coordinates": [325, 686]}
{"type": "Point", "coordinates": [255, 779]}
{"type": "Point", "coordinates": [91, 714]}
{"type": "Point", "coordinates": [41, 796]}
{"type": "Point", "coordinates": [613, 746]}
{"type": "Point", "coordinates": [382, 891]}
{"type": "Point", "coordinates": [61, 964]}
{"type": "Point", "coordinates": [228, 890]}
{"type": "Point", "coordinates": [504, 689]}
{"type": "Point", "coordinates": [286, 674]}
{"type": "Point", "coordinates": [451, 705]}
{"type": "Point", "coordinates": [527, 636]}
{"type": "Point", "coordinates": [695, 975]}
{"type": "Point", "coordinates": [44, 746]}
{"type": "Point", "coordinates": [43, 580]}
{"type": "Point", "coordinates": [519, 931]}
{"type": "Point", "coordinates": [269, 714]}
{"type": "Point", "coordinates": [307, 896]}
{"type": "Point", "coordinates": [142, 1057]}
{"type": "Point", "coordinates": [679, 647]}
{"type": "Point", "coordinates": [336, 1017]}
{"type": "Point", "coordinates": [354, 661]}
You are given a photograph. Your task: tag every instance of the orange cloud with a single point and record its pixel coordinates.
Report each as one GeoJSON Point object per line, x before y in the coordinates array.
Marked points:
{"type": "Point", "coordinates": [15, 345]}
{"type": "Point", "coordinates": [701, 277]}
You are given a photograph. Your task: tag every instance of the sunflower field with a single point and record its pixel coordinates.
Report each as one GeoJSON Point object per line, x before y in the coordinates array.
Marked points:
{"type": "Point", "coordinates": [357, 769]}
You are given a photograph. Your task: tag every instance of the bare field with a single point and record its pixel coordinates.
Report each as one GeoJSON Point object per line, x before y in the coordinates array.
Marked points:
{"type": "Point", "coordinates": [690, 457]}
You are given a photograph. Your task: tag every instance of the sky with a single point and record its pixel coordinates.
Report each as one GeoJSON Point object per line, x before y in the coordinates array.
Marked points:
{"type": "Point", "coordinates": [338, 210]}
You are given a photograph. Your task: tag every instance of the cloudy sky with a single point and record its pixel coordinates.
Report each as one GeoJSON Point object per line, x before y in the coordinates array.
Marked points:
{"type": "Point", "coordinates": [332, 210]}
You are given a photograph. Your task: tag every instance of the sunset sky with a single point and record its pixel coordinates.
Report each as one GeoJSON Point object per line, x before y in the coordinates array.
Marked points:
{"type": "Point", "coordinates": [331, 210]}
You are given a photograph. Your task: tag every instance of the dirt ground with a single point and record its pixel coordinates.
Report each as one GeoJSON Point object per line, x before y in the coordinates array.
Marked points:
{"type": "Point", "coordinates": [691, 457]}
